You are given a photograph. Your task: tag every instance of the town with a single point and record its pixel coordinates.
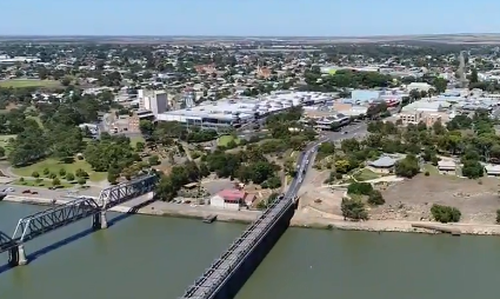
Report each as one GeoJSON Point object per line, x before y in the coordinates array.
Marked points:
{"type": "Point", "coordinates": [409, 130]}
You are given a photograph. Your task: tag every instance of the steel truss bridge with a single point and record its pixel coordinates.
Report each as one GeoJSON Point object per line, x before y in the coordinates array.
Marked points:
{"type": "Point", "coordinates": [46, 221]}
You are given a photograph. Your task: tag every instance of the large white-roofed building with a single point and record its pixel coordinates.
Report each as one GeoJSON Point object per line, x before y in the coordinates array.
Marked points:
{"type": "Point", "coordinates": [238, 111]}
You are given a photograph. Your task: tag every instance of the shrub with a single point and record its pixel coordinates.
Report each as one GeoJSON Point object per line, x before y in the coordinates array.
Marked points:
{"type": "Point", "coordinates": [35, 174]}
{"type": "Point", "coordinates": [445, 214]}
{"type": "Point", "coordinates": [375, 198]}
{"type": "Point", "coordinates": [426, 173]}
{"type": "Point", "coordinates": [46, 171]}
{"type": "Point", "coordinates": [62, 172]}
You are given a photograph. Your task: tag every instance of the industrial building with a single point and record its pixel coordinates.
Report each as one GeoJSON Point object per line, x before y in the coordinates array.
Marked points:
{"type": "Point", "coordinates": [238, 111]}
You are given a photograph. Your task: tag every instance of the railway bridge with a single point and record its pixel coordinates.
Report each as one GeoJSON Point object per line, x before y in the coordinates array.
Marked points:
{"type": "Point", "coordinates": [43, 222]}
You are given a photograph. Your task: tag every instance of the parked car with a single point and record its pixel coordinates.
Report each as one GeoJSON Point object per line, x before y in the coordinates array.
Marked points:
{"type": "Point", "coordinates": [26, 191]}
{"type": "Point", "coordinates": [34, 192]}
{"type": "Point", "coordinates": [9, 189]}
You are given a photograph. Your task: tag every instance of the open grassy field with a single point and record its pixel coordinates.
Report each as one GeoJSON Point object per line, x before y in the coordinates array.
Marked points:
{"type": "Point", "coordinates": [224, 140]}
{"type": "Point", "coordinates": [43, 183]}
{"type": "Point", "coordinates": [135, 139]}
{"type": "Point", "coordinates": [20, 83]}
{"type": "Point", "coordinates": [365, 175]}
{"type": "Point", "coordinates": [54, 166]}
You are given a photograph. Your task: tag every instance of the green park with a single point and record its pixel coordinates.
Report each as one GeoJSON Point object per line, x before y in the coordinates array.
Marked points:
{"type": "Point", "coordinates": [23, 83]}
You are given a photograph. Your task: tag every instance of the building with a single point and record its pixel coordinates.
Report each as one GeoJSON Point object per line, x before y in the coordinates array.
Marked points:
{"type": "Point", "coordinates": [235, 112]}
{"type": "Point", "coordinates": [428, 118]}
{"type": "Point", "coordinates": [492, 170]}
{"type": "Point", "coordinates": [360, 96]}
{"type": "Point", "coordinates": [447, 167]}
{"type": "Point", "coordinates": [384, 164]}
{"type": "Point", "coordinates": [231, 199]}
{"type": "Point", "coordinates": [420, 86]}
{"type": "Point", "coordinates": [93, 128]}
{"type": "Point", "coordinates": [152, 100]}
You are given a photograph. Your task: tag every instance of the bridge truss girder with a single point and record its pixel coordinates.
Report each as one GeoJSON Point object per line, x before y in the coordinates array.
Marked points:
{"type": "Point", "coordinates": [51, 219]}
{"type": "Point", "coordinates": [6, 242]}
{"type": "Point", "coordinates": [115, 195]}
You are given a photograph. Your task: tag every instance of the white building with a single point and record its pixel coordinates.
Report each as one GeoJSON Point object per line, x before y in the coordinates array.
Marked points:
{"type": "Point", "coordinates": [154, 101]}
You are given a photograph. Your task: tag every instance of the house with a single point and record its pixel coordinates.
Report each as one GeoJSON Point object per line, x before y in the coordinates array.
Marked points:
{"type": "Point", "coordinates": [384, 164]}
{"type": "Point", "coordinates": [447, 166]}
{"type": "Point", "coordinates": [492, 170]}
{"type": "Point", "coordinates": [231, 199]}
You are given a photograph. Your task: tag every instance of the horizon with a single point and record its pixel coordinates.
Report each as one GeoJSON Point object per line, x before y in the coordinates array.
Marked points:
{"type": "Point", "coordinates": [321, 18]}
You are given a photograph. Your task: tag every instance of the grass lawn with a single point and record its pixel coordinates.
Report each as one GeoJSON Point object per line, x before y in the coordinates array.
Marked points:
{"type": "Point", "coordinates": [431, 169]}
{"type": "Point", "coordinates": [224, 140]}
{"type": "Point", "coordinates": [365, 175]}
{"type": "Point", "coordinates": [20, 83]}
{"type": "Point", "coordinates": [134, 140]}
{"type": "Point", "coordinates": [54, 166]}
{"type": "Point", "coordinates": [43, 183]}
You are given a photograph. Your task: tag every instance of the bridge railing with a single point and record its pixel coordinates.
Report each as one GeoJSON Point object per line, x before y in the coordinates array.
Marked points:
{"type": "Point", "coordinates": [53, 218]}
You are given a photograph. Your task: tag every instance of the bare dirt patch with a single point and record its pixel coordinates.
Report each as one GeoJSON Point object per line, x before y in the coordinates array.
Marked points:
{"type": "Point", "coordinates": [412, 199]}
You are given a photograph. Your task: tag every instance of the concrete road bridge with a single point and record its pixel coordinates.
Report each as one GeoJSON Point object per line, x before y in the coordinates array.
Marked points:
{"type": "Point", "coordinates": [229, 272]}
{"type": "Point", "coordinates": [43, 222]}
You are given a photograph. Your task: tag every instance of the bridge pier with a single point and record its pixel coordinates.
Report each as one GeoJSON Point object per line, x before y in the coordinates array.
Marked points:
{"type": "Point", "coordinates": [99, 220]}
{"type": "Point", "coordinates": [17, 256]}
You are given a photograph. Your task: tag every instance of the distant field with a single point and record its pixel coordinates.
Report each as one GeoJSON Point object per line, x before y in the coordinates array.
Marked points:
{"type": "Point", "coordinates": [19, 83]}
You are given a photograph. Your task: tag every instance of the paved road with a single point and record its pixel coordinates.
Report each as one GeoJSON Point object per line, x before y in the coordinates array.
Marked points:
{"type": "Point", "coordinates": [52, 194]}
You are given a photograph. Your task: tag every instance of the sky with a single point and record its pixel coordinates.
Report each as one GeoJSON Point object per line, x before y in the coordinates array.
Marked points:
{"type": "Point", "coordinates": [248, 17]}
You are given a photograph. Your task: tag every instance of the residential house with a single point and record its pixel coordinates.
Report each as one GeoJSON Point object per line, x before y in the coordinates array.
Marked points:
{"type": "Point", "coordinates": [447, 166]}
{"type": "Point", "coordinates": [231, 199]}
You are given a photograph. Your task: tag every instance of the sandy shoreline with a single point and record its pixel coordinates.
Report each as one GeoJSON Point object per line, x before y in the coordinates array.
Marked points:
{"type": "Point", "coordinates": [299, 220]}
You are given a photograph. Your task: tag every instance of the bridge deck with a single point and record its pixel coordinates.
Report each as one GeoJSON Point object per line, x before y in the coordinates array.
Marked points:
{"type": "Point", "coordinates": [214, 276]}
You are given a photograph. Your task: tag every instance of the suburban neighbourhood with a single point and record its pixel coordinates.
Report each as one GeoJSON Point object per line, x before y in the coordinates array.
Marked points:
{"type": "Point", "coordinates": [406, 136]}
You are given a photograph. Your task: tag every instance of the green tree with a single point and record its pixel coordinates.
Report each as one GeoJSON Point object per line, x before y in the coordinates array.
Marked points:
{"type": "Point", "coordinates": [154, 160]}
{"type": "Point", "coordinates": [473, 78]}
{"type": "Point", "coordinates": [70, 177]}
{"type": "Point", "coordinates": [82, 181]}
{"type": "Point", "coordinates": [35, 174]}
{"type": "Point", "coordinates": [407, 167]}
{"type": "Point", "coordinates": [62, 172]}
{"type": "Point", "coordinates": [140, 146]}
{"type": "Point", "coordinates": [56, 182]}
{"type": "Point", "coordinates": [360, 188]}
{"type": "Point", "coordinates": [113, 175]}
{"type": "Point", "coordinates": [353, 209]}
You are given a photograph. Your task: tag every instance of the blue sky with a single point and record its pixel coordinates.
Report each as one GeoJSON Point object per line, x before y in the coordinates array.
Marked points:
{"type": "Point", "coordinates": [248, 17]}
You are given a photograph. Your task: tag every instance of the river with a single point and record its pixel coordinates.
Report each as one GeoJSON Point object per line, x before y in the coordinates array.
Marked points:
{"type": "Point", "coordinates": [155, 257]}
